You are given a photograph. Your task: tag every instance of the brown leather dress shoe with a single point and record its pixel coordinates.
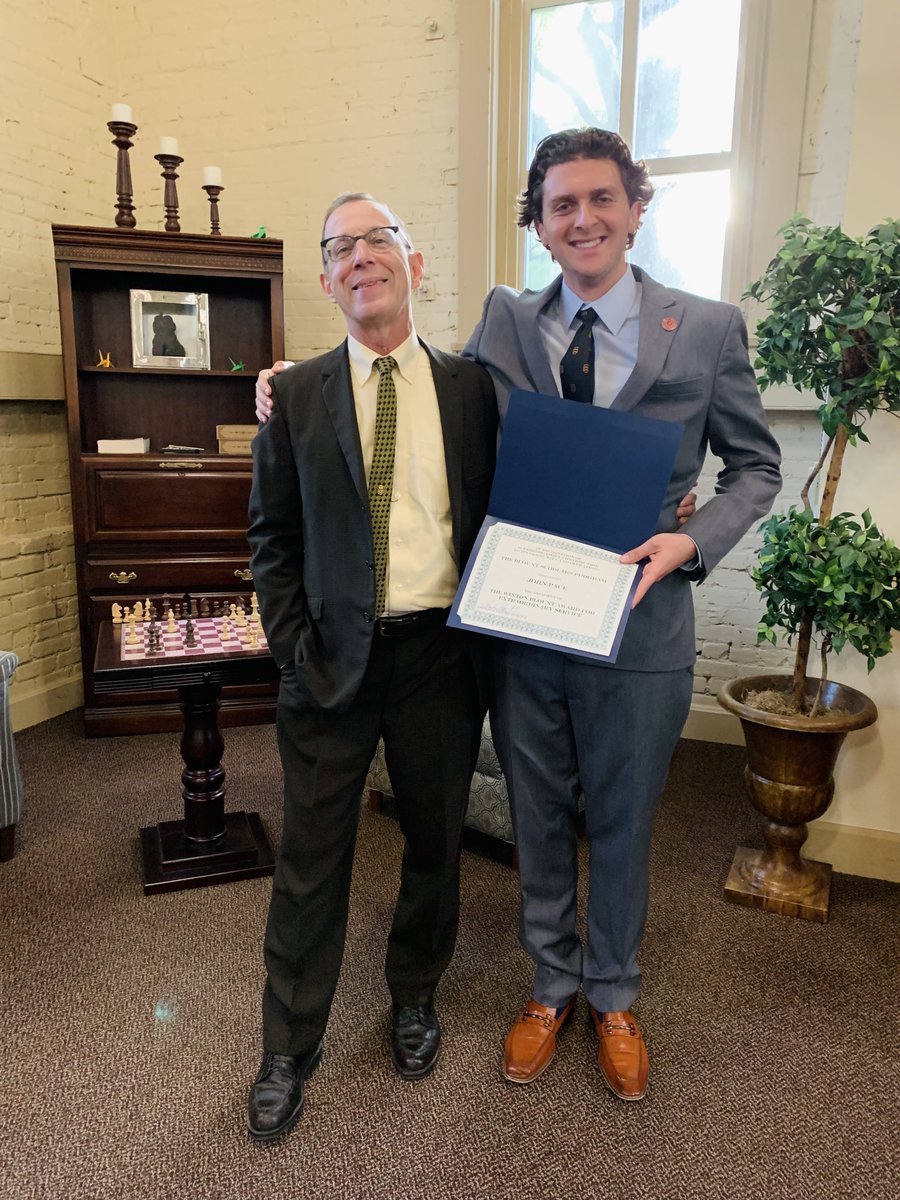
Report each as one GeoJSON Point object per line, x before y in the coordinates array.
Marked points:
{"type": "Point", "coordinates": [621, 1054]}
{"type": "Point", "coordinates": [531, 1043]}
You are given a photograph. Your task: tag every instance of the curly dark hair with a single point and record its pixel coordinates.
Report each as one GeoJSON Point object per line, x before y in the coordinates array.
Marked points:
{"type": "Point", "coordinates": [571, 144]}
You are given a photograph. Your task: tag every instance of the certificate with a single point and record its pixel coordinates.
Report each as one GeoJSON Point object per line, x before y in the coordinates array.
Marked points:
{"type": "Point", "coordinates": [535, 586]}
{"type": "Point", "coordinates": [575, 488]}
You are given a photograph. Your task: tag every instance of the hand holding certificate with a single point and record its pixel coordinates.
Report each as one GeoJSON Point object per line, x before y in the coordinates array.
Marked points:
{"type": "Point", "coordinates": [575, 488]}
{"type": "Point", "coordinates": [535, 585]}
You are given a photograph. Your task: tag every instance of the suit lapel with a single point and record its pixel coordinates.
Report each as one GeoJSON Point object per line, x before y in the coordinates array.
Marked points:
{"type": "Point", "coordinates": [658, 304]}
{"type": "Point", "coordinates": [527, 309]}
{"type": "Point", "coordinates": [337, 394]}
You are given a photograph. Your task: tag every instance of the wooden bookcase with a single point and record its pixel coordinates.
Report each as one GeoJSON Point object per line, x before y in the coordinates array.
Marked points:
{"type": "Point", "coordinates": [161, 525]}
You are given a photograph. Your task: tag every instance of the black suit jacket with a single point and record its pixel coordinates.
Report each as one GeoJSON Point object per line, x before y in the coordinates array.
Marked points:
{"type": "Point", "coordinates": [310, 530]}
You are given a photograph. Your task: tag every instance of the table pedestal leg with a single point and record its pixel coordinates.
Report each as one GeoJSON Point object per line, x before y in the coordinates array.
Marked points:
{"type": "Point", "coordinates": [208, 845]}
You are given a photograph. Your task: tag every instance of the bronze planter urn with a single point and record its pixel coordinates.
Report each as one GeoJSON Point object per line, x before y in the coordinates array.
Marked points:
{"type": "Point", "coordinates": [789, 778]}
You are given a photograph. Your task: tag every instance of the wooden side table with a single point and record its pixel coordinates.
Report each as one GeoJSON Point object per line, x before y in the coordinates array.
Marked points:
{"type": "Point", "coordinates": [207, 845]}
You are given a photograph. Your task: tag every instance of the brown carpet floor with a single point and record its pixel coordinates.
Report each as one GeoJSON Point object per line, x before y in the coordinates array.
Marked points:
{"type": "Point", "coordinates": [129, 1025]}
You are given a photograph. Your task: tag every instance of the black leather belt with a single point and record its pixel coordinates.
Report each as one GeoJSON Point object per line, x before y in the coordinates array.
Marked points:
{"type": "Point", "coordinates": [411, 623]}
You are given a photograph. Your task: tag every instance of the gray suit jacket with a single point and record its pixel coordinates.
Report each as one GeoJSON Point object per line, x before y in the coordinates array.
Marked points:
{"type": "Point", "coordinates": [310, 531]}
{"type": "Point", "coordinates": [697, 372]}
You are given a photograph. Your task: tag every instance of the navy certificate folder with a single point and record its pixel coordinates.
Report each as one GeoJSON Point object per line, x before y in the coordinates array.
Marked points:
{"type": "Point", "coordinates": [593, 475]}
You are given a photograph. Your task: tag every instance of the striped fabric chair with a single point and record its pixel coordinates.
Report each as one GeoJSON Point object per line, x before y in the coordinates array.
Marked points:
{"type": "Point", "coordinates": [10, 777]}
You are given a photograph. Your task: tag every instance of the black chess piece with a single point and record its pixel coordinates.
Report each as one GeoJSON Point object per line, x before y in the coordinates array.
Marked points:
{"type": "Point", "coordinates": [190, 634]}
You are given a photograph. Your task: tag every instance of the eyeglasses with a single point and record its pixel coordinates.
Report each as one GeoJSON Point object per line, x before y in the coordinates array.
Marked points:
{"type": "Point", "coordinates": [382, 237]}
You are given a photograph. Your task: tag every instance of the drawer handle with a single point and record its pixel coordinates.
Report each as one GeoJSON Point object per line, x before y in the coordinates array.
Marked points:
{"type": "Point", "coordinates": [245, 575]}
{"type": "Point", "coordinates": [181, 466]}
{"type": "Point", "coordinates": [121, 577]}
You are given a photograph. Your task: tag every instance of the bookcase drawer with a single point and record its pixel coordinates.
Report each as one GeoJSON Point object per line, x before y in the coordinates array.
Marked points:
{"type": "Point", "coordinates": [131, 574]}
{"type": "Point", "coordinates": [199, 500]}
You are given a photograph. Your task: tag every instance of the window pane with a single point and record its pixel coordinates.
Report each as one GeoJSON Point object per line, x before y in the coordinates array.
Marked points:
{"type": "Point", "coordinates": [682, 240]}
{"type": "Point", "coordinates": [687, 67]}
{"type": "Point", "coordinates": [575, 67]}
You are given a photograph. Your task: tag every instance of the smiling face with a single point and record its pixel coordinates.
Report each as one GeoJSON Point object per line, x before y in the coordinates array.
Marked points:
{"type": "Point", "coordinates": [586, 223]}
{"type": "Point", "coordinates": [372, 288]}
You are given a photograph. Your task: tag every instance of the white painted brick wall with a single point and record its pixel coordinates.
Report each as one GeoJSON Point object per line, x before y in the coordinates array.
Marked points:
{"type": "Point", "coordinates": [332, 98]}
{"type": "Point", "coordinates": [728, 607]}
{"type": "Point", "coordinates": [38, 608]}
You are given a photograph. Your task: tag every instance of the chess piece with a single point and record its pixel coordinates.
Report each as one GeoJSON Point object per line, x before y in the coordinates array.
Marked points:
{"type": "Point", "coordinates": [190, 634]}
{"type": "Point", "coordinates": [132, 638]}
{"type": "Point", "coordinates": [204, 607]}
{"type": "Point", "coordinates": [254, 637]}
{"type": "Point", "coordinates": [254, 603]}
{"type": "Point", "coordinates": [139, 612]}
{"type": "Point", "coordinates": [241, 618]}
{"type": "Point", "coordinates": [117, 614]}
{"type": "Point", "coordinates": [171, 627]}
{"type": "Point", "coordinates": [225, 630]}
{"type": "Point", "coordinates": [147, 609]}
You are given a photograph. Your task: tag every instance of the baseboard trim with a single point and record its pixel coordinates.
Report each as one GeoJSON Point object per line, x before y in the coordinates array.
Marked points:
{"type": "Point", "coordinates": [870, 853]}
{"type": "Point", "coordinates": [709, 722]}
{"type": "Point", "coordinates": [29, 707]}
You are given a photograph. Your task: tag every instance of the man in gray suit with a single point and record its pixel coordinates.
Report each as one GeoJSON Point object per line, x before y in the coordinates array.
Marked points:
{"type": "Point", "coordinates": [567, 725]}
{"type": "Point", "coordinates": [369, 486]}
{"type": "Point", "coordinates": [564, 724]}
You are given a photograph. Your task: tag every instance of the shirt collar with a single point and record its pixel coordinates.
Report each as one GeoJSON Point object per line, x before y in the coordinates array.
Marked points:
{"type": "Point", "coordinates": [612, 308]}
{"type": "Point", "coordinates": [361, 358]}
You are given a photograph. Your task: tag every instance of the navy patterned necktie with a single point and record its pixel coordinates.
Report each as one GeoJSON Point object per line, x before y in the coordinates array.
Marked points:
{"type": "Point", "coordinates": [576, 370]}
{"type": "Point", "coordinates": [381, 474]}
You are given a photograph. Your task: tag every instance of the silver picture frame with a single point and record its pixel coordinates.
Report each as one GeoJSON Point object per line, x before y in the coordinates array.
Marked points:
{"type": "Point", "coordinates": [170, 330]}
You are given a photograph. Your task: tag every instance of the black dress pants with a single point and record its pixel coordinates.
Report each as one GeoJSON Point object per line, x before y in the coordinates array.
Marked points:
{"type": "Point", "coordinates": [420, 694]}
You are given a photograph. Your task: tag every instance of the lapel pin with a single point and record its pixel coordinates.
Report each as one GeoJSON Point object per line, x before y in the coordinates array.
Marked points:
{"type": "Point", "coordinates": [668, 324]}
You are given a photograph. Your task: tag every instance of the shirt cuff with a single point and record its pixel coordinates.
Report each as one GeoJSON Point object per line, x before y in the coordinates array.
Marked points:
{"type": "Point", "coordinates": [694, 564]}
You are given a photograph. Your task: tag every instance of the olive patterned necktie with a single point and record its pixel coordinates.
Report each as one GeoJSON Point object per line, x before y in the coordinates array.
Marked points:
{"type": "Point", "coordinates": [381, 474]}
{"type": "Point", "coordinates": [576, 370]}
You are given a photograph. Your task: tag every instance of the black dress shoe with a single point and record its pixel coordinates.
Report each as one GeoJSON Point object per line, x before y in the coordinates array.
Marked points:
{"type": "Point", "coordinates": [415, 1039]}
{"type": "Point", "coordinates": [275, 1102]}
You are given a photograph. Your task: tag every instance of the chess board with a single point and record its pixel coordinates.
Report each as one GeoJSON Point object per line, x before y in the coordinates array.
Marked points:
{"type": "Point", "coordinates": [207, 633]}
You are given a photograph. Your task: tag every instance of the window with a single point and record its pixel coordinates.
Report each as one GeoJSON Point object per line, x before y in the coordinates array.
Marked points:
{"type": "Point", "coordinates": [709, 92]}
{"type": "Point", "coordinates": [653, 78]}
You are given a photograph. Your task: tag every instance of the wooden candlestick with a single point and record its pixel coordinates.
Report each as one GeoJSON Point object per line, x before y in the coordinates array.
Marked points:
{"type": "Point", "coordinates": [213, 190]}
{"type": "Point", "coordinates": [169, 164]}
{"type": "Point", "coordinates": [123, 132]}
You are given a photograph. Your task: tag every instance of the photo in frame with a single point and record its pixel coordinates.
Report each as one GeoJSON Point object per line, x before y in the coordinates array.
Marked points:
{"type": "Point", "coordinates": [170, 329]}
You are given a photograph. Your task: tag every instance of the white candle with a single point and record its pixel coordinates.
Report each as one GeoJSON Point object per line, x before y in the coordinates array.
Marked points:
{"type": "Point", "coordinates": [212, 176]}
{"type": "Point", "coordinates": [122, 112]}
{"type": "Point", "coordinates": [168, 145]}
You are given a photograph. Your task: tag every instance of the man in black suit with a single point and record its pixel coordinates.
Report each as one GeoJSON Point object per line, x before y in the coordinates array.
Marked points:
{"type": "Point", "coordinates": [370, 483]}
